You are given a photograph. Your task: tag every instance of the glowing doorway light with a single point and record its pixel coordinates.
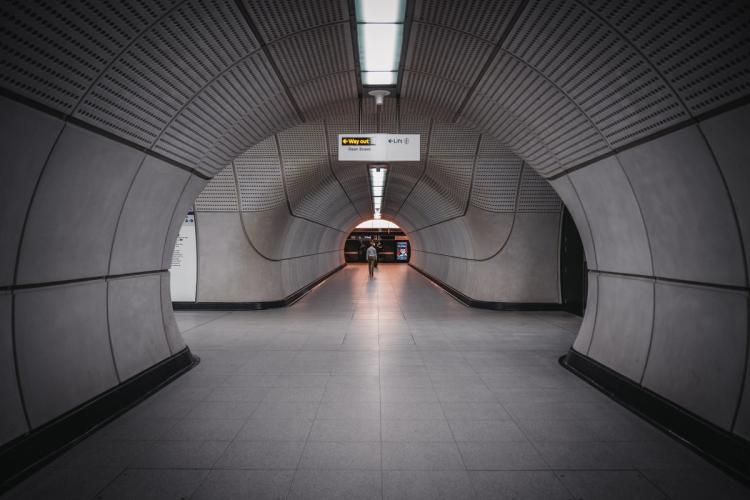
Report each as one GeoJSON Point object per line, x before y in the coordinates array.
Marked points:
{"type": "Point", "coordinates": [380, 31]}
{"type": "Point", "coordinates": [378, 174]}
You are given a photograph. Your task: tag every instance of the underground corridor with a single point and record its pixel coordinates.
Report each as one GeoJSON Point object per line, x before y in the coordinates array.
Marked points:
{"type": "Point", "coordinates": [555, 193]}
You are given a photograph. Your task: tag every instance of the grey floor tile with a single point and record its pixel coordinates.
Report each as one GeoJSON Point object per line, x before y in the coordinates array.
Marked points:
{"type": "Point", "coordinates": [154, 484]}
{"type": "Point", "coordinates": [402, 431]}
{"type": "Point", "coordinates": [697, 483]}
{"type": "Point", "coordinates": [341, 456]}
{"type": "Point", "coordinates": [501, 456]}
{"type": "Point", "coordinates": [245, 484]}
{"type": "Point", "coordinates": [286, 410]}
{"type": "Point", "coordinates": [275, 429]}
{"type": "Point", "coordinates": [223, 409]}
{"type": "Point", "coordinates": [294, 394]}
{"type": "Point", "coordinates": [349, 410]}
{"type": "Point", "coordinates": [63, 484]}
{"type": "Point", "coordinates": [474, 411]}
{"type": "Point", "coordinates": [261, 455]}
{"type": "Point", "coordinates": [180, 455]}
{"type": "Point", "coordinates": [487, 431]}
{"type": "Point", "coordinates": [427, 485]}
{"type": "Point", "coordinates": [421, 456]}
{"type": "Point", "coordinates": [335, 485]}
{"type": "Point", "coordinates": [204, 429]}
{"type": "Point", "coordinates": [343, 430]}
{"type": "Point", "coordinates": [421, 411]}
{"type": "Point", "coordinates": [520, 485]}
{"type": "Point", "coordinates": [610, 485]}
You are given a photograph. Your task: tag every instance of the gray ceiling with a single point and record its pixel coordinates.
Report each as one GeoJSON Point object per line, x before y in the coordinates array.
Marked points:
{"type": "Point", "coordinates": [557, 83]}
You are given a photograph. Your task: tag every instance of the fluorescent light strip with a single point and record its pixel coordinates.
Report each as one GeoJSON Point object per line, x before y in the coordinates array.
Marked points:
{"type": "Point", "coordinates": [378, 175]}
{"type": "Point", "coordinates": [380, 27]}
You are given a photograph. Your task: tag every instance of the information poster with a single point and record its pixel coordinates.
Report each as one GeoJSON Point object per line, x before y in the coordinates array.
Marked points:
{"type": "Point", "coordinates": [184, 267]}
{"type": "Point", "coordinates": [402, 251]}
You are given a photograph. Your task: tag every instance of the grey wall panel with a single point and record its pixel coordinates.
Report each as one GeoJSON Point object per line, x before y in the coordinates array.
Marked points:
{"type": "Point", "coordinates": [615, 218]}
{"type": "Point", "coordinates": [687, 211]}
{"type": "Point", "coordinates": [136, 326]}
{"type": "Point", "coordinates": [268, 230]}
{"type": "Point", "coordinates": [171, 330]}
{"type": "Point", "coordinates": [76, 206]}
{"type": "Point", "coordinates": [145, 218]}
{"type": "Point", "coordinates": [63, 350]}
{"type": "Point", "coordinates": [582, 342]}
{"type": "Point", "coordinates": [527, 269]}
{"type": "Point", "coordinates": [229, 270]}
{"type": "Point", "coordinates": [727, 136]}
{"type": "Point", "coordinates": [699, 346]}
{"type": "Point", "coordinates": [190, 191]}
{"type": "Point", "coordinates": [569, 196]}
{"type": "Point", "coordinates": [26, 137]}
{"type": "Point", "coordinates": [12, 419]}
{"type": "Point", "coordinates": [624, 322]}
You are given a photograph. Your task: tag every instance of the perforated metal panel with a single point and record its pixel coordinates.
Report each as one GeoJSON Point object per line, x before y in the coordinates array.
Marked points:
{"type": "Point", "coordinates": [450, 140]}
{"type": "Point", "coordinates": [259, 178]}
{"type": "Point", "coordinates": [314, 53]}
{"type": "Point", "coordinates": [343, 124]}
{"type": "Point", "coordinates": [401, 179]}
{"type": "Point", "coordinates": [702, 48]}
{"type": "Point", "coordinates": [446, 53]}
{"type": "Point", "coordinates": [220, 194]}
{"type": "Point", "coordinates": [169, 64]}
{"type": "Point", "coordinates": [304, 141]}
{"type": "Point", "coordinates": [53, 51]}
{"type": "Point", "coordinates": [483, 19]}
{"type": "Point", "coordinates": [496, 183]}
{"type": "Point", "coordinates": [611, 82]}
{"type": "Point", "coordinates": [315, 96]}
{"type": "Point", "coordinates": [536, 194]}
{"type": "Point", "coordinates": [278, 18]}
{"type": "Point", "coordinates": [430, 96]}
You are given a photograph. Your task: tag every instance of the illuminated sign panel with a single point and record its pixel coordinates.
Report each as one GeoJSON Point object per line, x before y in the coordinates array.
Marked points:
{"type": "Point", "coordinates": [379, 147]}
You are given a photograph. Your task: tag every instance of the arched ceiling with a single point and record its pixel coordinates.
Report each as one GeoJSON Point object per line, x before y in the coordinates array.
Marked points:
{"type": "Point", "coordinates": [200, 81]}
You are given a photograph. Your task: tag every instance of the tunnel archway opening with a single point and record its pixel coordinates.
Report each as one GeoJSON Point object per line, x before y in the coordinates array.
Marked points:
{"type": "Point", "coordinates": [390, 241]}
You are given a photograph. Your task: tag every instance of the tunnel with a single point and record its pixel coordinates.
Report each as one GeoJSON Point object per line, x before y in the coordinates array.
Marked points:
{"type": "Point", "coordinates": [541, 125]}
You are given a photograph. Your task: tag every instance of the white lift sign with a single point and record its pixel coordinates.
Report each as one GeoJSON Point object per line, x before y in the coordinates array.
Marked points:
{"type": "Point", "coordinates": [379, 147]}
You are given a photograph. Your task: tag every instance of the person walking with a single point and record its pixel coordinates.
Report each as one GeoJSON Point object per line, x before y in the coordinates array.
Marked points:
{"type": "Point", "coordinates": [372, 258]}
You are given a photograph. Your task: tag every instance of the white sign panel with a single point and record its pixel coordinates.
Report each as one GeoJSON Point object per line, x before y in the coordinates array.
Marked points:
{"type": "Point", "coordinates": [183, 271]}
{"type": "Point", "coordinates": [378, 147]}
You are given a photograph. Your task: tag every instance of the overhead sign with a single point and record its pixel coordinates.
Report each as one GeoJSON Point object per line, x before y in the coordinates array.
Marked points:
{"type": "Point", "coordinates": [379, 147]}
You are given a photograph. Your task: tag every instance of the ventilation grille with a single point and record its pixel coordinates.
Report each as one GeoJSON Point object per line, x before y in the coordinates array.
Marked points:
{"type": "Point", "coordinates": [308, 141]}
{"type": "Point", "coordinates": [701, 47]}
{"type": "Point", "coordinates": [612, 83]}
{"type": "Point", "coordinates": [430, 96]}
{"type": "Point", "coordinates": [169, 64]}
{"type": "Point", "coordinates": [483, 19]}
{"type": "Point", "coordinates": [536, 194]}
{"type": "Point", "coordinates": [496, 183]}
{"type": "Point", "coordinates": [220, 194]}
{"type": "Point", "coordinates": [315, 96]}
{"type": "Point", "coordinates": [259, 178]}
{"type": "Point", "coordinates": [314, 53]}
{"type": "Point", "coordinates": [278, 18]}
{"type": "Point", "coordinates": [449, 140]}
{"type": "Point", "coordinates": [446, 54]}
{"type": "Point", "coordinates": [52, 51]}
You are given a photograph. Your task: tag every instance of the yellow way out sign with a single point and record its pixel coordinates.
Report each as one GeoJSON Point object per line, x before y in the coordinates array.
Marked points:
{"type": "Point", "coordinates": [379, 147]}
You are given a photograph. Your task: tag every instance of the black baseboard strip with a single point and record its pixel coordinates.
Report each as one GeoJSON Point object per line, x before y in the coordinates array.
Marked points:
{"type": "Point", "coordinates": [724, 449]}
{"type": "Point", "coordinates": [26, 454]}
{"type": "Point", "coordinates": [254, 306]}
{"type": "Point", "coordinates": [483, 304]}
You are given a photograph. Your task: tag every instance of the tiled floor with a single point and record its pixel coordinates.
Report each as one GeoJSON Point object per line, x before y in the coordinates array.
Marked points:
{"type": "Point", "coordinates": [382, 388]}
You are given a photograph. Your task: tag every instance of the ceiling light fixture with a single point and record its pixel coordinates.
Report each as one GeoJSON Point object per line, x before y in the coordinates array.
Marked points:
{"type": "Point", "coordinates": [380, 30]}
{"type": "Point", "coordinates": [378, 175]}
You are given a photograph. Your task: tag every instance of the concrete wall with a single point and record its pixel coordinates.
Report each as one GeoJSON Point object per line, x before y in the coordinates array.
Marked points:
{"type": "Point", "coordinates": [665, 227]}
{"type": "Point", "coordinates": [87, 224]}
{"type": "Point", "coordinates": [494, 257]}
{"type": "Point", "coordinates": [261, 256]}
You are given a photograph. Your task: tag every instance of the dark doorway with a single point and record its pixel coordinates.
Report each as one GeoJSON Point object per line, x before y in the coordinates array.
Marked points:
{"type": "Point", "coordinates": [573, 269]}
